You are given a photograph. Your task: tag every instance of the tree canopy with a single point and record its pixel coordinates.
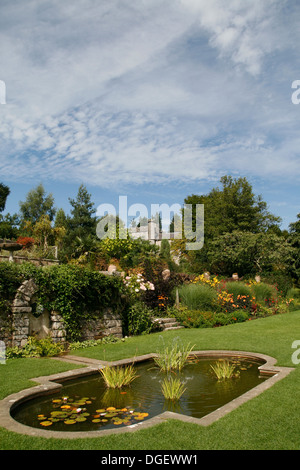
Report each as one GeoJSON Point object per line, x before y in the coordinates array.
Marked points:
{"type": "Point", "coordinates": [233, 207]}
{"type": "Point", "coordinates": [37, 204]}
{"type": "Point", "coordinates": [4, 192]}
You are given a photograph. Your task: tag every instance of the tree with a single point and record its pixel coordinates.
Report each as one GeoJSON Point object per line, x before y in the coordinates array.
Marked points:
{"type": "Point", "coordinates": [247, 252]}
{"type": "Point", "coordinates": [83, 222]}
{"type": "Point", "coordinates": [37, 204]}
{"type": "Point", "coordinates": [81, 226]}
{"type": "Point", "coordinates": [44, 233]}
{"type": "Point", "coordinates": [61, 219]}
{"type": "Point", "coordinates": [294, 240]}
{"type": "Point", "coordinates": [233, 207]}
{"type": "Point", "coordinates": [4, 192]}
{"type": "Point", "coordinates": [9, 226]}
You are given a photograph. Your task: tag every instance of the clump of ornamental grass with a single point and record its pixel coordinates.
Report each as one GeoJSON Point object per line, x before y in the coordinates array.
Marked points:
{"type": "Point", "coordinates": [173, 358]}
{"type": "Point", "coordinates": [224, 370]}
{"type": "Point", "coordinates": [198, 296]}
{"type": "Point", "coordinates": [172, 388]}
{"type": "Point", "coordinates": [118, 376]}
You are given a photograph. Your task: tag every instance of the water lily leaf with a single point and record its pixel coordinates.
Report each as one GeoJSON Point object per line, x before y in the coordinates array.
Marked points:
{"type": "Point", "coordinates": [96, 420]}
{"type": "Point", "coordinates": [80, 419]}
{"type": "Point", "coordinates": [70, 421]}
{"type": "Point", "coordinates": [56, 413]}
{"type": "Point", "coordinates": [46, 423]}
{"type": "Point", "coordinates": [102, 410]}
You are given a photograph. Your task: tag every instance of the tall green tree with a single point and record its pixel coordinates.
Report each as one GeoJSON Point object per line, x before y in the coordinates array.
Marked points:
{"type": "Point", "coordinates": [81, 224]}
{"type": "Point", "coordinates": [37, 204]}
{"type": "Point", "coordinates": [61, 219]}
{"type": "Point", "coordinates": [82, 221]}
{"type": "Point", "coordinates": [294, 240]}
{"type": "Point", "coordinates": [234, 206]}
{"type": "Point", "coordinates": [4, 192]}
{"type": "Point", "coordinates": [9, 224]}
{"type": "Point", "coordinates": [247, 252]}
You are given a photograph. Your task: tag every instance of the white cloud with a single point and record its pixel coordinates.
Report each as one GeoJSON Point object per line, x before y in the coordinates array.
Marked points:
{"type": "Point", "coordinates": [120, 93]}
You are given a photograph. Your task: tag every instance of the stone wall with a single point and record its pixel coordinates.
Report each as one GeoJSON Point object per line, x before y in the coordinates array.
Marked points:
{"type": "Point", "coordinates": [107, 324]}
{"type": "Point", "coordinates": [26, 321]}
{"type": "Point", "coordinates": [35, 261]}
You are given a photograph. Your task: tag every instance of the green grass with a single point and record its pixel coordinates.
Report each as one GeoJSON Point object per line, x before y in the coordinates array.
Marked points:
{"type": "Point", "coordinates": [267, 422]}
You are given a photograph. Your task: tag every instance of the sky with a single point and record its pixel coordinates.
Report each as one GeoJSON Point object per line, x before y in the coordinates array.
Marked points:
{"type": "Point", "coordinates": [150, 99]}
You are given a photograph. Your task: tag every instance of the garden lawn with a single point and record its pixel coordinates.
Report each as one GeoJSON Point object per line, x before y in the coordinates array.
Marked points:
{"type": "Point", "coordinates": [270, 421]}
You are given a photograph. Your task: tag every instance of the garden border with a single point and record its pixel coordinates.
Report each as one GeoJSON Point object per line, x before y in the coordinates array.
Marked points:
{"type": "Point", "coordinates": [49, 384]}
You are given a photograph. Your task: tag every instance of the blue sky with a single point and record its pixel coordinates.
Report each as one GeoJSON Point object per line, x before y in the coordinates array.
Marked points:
{"type": "Point", "coordinates": [150, 99]}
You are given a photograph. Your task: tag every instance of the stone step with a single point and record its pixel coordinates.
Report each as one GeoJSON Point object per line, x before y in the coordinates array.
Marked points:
{"type": "Point", "coordinates": [168, 323]}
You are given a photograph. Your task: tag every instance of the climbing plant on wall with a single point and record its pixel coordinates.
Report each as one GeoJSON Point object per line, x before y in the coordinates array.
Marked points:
{"type": "Point", "coordinates": [75, 292]}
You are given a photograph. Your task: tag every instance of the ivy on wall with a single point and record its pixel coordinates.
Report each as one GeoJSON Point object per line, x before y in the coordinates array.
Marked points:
{"type": "Point", "coordinates": [75, 292]}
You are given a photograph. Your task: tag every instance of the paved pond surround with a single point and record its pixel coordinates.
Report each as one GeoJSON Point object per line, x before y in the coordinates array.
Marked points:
{"type": "Point", "coordinates": [52, 383]}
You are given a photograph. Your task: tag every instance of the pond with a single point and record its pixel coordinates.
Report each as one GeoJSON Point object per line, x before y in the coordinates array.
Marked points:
{"type": "Point", "coordinates": [86, 404]}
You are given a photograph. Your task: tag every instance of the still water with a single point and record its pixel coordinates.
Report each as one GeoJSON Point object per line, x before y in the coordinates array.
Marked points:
{"type": "Point", "coordinates": [87, 405]}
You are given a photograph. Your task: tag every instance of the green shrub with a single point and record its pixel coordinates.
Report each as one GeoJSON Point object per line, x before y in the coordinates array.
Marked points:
{"type": "Point", "coordinates": [293, 293]}
{"type": "Point", "coordinates": [197, 296]}
{"type": "Point", "coordinates": [237, 288]}
{"type": "Point", "coordinates": [35, 347]}
{"type": "Point", "coordinates": [200, 319]}
{"type": "Point", "coordinates": [263, 291]}
{"type": "Point", "coordinates": [194, 318]}
{"type": "Point", "coordinates": [140, 319]}
{"type": "Point", "coordinates": [281, 280]}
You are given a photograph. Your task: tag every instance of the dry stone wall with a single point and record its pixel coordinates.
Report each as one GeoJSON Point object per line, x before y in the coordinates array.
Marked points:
{"type": "Point", "coordinates": [25, 322]}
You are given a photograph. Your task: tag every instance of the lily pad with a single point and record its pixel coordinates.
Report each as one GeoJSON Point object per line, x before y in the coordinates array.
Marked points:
{"type": "Point", "coordinates": [70, 421]}
{"type": "Point", "coordinates": [80, 419]}
{"type": "Point", "coordinates": [46, 423]}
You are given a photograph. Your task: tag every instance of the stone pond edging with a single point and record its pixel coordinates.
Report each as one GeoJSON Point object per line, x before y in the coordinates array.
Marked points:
{"type": "Point", "coordinates": [49, 384]}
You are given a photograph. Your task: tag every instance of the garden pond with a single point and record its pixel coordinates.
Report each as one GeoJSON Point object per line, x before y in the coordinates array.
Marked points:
{"type": "Point", "coordinates": [86, 404]}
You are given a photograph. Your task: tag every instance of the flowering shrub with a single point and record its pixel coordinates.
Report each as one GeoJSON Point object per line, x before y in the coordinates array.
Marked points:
{"type": "Point", "coordinates": [27, 242]}
{"type": "Point", "coordinates": [228, 303]}
{"type": "Point", "coordinates": [136, 284]}
{"type": "Point", "coordinates": [201, 279]}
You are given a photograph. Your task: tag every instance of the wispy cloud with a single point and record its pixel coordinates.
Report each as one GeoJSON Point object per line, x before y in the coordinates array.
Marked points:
{"type": "Point", "coordinates": [121, 93]}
